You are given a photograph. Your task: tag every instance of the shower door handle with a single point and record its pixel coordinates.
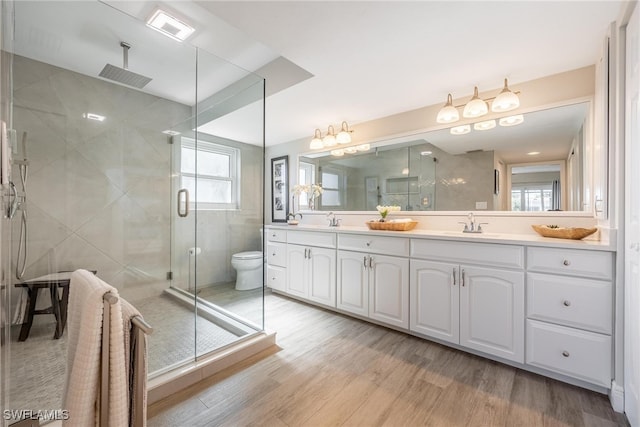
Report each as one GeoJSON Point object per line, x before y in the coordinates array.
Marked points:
{"type": "Point", "coordinates": [183, 198]}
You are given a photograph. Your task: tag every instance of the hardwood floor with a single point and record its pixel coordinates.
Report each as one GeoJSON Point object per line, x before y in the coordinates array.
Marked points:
{"type": "Point", "coordinates": [332, 370]}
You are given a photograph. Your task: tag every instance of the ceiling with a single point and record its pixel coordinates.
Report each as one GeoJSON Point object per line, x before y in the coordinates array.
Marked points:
{"type": "Point", "coordinates": [365, 60]}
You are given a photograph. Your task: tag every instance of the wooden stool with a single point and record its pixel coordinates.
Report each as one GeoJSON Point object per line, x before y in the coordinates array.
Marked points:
{"type": "Point", "coordinates": [58, 307]}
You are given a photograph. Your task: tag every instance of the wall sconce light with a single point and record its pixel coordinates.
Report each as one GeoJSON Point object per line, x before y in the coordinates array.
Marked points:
{"type": "Point", "coordinates": [476, 107]}
{"type": "Point", "coordinates": [316, 142]}
{"type": "Point", "coordinates": [343, 136]}
{"type": "Point", "coordinates": [331, 139]}
{"type": "Point", "coordinates": [506, 100]}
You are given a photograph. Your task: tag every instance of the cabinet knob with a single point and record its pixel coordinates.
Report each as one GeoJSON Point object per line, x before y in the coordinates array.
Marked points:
{"type": "Point", "coordinates": [566, 303]}
{"type": "Point", "coordinates": [368, 243]}
{"type": "Point", "coordinates": [566, 262]}
{"type": "Point", "coordinates": [273, 254]}
{"type": "Point", "coordinates": [273, 235]}
{"type": "Point", "coordinates": [565, 353]}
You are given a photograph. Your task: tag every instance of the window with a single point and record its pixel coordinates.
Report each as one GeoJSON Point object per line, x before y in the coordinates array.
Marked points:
{"type": "Point", "coordinates": [218, 174]}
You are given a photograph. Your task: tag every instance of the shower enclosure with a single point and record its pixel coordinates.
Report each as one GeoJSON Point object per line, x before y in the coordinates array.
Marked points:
{"type": "Point", "coordinates": [154, 187]}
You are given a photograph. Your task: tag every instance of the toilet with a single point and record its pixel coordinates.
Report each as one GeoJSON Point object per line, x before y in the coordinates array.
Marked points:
{"type": "Point", "coordinates": [248, 265]}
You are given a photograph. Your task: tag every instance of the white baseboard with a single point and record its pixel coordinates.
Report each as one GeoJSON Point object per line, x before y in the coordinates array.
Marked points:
{"type": "Point", "coordinates": [616, 397]}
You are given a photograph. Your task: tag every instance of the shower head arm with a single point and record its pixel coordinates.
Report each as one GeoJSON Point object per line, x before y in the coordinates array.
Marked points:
{"type": "Point", "coordinates": [125, 54]}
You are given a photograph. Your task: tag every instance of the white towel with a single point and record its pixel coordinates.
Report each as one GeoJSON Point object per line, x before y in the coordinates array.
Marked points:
{"type": "Point", "coordinates": [136, 362]}
{"type": "Point", "coordinates": [82, 395]}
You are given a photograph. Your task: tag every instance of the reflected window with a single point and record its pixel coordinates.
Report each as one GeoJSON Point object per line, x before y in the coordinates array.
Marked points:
{"type": "Point", "coordinates": [306, 176]}
{"type": "Point", "coordinates": [211, 174]}
{"type": "Point", "coordinates": [532, 198]}
{"type": "Point", "coordinates": [333, 186]}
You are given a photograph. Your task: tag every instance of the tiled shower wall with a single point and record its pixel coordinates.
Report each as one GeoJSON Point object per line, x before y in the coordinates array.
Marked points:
{"type": "Point", "coordinates": [99, 192]}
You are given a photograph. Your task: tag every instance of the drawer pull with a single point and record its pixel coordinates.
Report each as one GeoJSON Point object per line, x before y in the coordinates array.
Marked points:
{"type": "Point", "coordinates": [566, 262]}
{"type": "Point", "coordinates": [273, 235]}
{"type": "Point", "coordinates": [368, 243]}
{"type": "Point", "coordinates": [565, 353]}
{"type": "Point", "coordinates": [274, 254]}
{"type": "Point", "coordinates": [566, 303]}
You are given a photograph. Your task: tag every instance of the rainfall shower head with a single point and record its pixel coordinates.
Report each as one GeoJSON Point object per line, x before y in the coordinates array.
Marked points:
{"type": "Point", "coordinates": [123, 75]}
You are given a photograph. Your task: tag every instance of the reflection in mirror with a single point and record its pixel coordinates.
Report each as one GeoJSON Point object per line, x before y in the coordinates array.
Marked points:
{"type": "Point", "coordinates": [443, 171]}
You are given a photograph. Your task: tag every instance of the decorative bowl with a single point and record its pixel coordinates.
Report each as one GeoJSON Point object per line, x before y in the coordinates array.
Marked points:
{"type": "Point", "coordinates": [293, 222]}
{"type": "Point", "coordinates": [574, 233]}
{"type": "Point", "coordinates": [392, 226]}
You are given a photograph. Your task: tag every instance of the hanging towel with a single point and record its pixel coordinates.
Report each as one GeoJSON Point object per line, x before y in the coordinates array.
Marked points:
{"type": "Point", "coordinates": [135, 344]}
{"type": "Point", "coordinates": [81, 394]}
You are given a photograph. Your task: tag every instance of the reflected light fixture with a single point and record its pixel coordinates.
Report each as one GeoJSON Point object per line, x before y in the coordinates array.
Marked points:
{"type": "Point", "coordinates": [170, 132]}
{"type": "Point", "coordinates": [339, 152]}
{"type": "Point", "coordinates": [486, 125]}
{"type": "Point", "coordinates": [316, 142]}
{"type": "Point", "coordinates": [426, 153]}
{"type": "Point", "coordinates": [93, 116]}
{"type": "Point", "coordinates": [329, 139]}
{"type": "Point", "coordinates": [343, 137]}
{"type": "Point", "coordinates": [476, 107]}
{"type": "Point", "coordinates": [170, 26]}
{"type": "Point", "coordinates": [448, 113]}
{"type": "Point", "coordinates": [533, 153]}
{"type": "Point", "coordinates": [363, 147]}
{"type": "Point", "coordinates": [460, 130]}
{"type": "Point", "coordinates": [512, 120]}
{"type": "Point", "coordinates": [505, 101]}
{"type": "Point", "coordinates": [350, 150]}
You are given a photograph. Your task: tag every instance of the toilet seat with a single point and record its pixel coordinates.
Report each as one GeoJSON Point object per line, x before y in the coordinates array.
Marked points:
{"type": "Point", "coordinates": [248, 255]}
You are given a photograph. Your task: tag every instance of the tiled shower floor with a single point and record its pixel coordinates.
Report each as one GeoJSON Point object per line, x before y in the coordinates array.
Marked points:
{"type": "Point", "coordinates": [38, 364]}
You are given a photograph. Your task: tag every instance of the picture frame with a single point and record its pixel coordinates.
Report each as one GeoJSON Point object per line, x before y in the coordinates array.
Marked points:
{"type": "Point", "coordinates": [279, 189]}
{"type": "Point", "coordinates": [496, 182]}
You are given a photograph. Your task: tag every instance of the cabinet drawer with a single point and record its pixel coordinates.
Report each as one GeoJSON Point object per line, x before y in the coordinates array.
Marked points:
{"type": "Point", "coordinates": [576, 262]}
{"type": "Point", "coordinates": [310, 238]}
{"type": "Point", "coordinates": [274, 235]}
{"type": "Point", "coordinates": [277, 254]}
{"type": "Point", "coordinates": [276, 277]}
{"type": "Point", "coordinates": [579, 354]}
{"type": "Point", "coordinates": [374, 244]}
{"type": "Point", "coordinates": [582, 303]}
{"type": "Point", "coordinates": [484, 254]}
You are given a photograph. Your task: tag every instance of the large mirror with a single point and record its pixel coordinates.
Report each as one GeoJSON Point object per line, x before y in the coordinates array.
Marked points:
{"type": "Point", "coordinates": [539, 164]}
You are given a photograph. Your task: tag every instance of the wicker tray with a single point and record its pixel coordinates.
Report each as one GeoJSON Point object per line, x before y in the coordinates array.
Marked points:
{"type": "Point", "coordinates": [564, 233]}
{"type": "Point", "coordinates": [392, 226]}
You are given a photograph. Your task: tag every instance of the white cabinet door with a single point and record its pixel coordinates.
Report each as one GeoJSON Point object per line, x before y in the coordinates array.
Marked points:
{"type": "Point", "coordinates": [321, 264]}
{"type": "Point", "coordinates": [389, 290]}
{"type": "Point", "coordinates": [296, 270]}
{"type": "Point", "coordinates": [434, 295]}
{"type": "Point", "coordinates": [492, 311]}
{"type": "Point", "coordinates": [353, 283]}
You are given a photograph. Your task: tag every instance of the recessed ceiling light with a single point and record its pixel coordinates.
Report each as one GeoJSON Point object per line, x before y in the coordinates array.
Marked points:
{"type": "Point", "coordinates": [533, 153]}
{"type": "Point", "coordinates": [93, 116]}
{"type": "Point", "coordinates": [170, 132]}
{"type": "Point", "coordinates": [425, 153]}
{"type": "Point", "coordinates": [170, 26]}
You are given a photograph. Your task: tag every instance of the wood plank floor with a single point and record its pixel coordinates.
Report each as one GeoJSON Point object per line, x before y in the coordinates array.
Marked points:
{"type": "Point", "coordinates": [332, 370]}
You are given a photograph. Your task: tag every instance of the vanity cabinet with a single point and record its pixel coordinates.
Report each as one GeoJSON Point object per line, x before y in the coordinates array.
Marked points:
{"type": "Point", "coordinates": [479, 307]}
{"type": "Point", "coordinates": [570, 312]}
{"type": "Point", "coordinates": [311, 268]}
{"type": "Point", "coordinates": [276, 247]}
{"type": "Point", "coordinates": [372, 284]}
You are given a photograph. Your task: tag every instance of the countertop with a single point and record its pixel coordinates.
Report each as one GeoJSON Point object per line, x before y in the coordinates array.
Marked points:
{"type": "Point", "coordinates": [500, 238]}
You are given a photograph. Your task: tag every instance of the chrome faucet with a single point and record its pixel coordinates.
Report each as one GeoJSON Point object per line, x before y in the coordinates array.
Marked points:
{"type": "Point", "coordinates": [333, 221]}
{"type": "Point", "coordinates": [471, 226]}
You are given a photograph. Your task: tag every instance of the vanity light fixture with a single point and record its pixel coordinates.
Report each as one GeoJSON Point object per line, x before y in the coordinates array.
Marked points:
{"type": "Point", "coordinates": [476, 107]}
{"type": "Point", "coordinates": [316, 142]}
{"type": "Point", "coordinates": [460, 130]}
{"type": "Point", "coordinates": [329, 139]}
{"type": "Point", "coordinates": [170, 26]}
{"type": "Point", "coordinates": [512, 120]}
{"type": "Point", "coordinates": [505, 101]}
{"type": "Point", "coordinates": [344, 137]}
{"type": "Point", "coordinates": [486, 125]}
{"type": "Point", "coordinates": [339, 152]}
{"type": "Point", "coordinates": [448, 113]}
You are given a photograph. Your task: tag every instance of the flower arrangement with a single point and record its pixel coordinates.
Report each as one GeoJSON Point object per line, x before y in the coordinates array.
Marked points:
{"type": "Point", "coordinates": [384, 211]}
{"type": "Point", "coordinates": [312, 191]}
